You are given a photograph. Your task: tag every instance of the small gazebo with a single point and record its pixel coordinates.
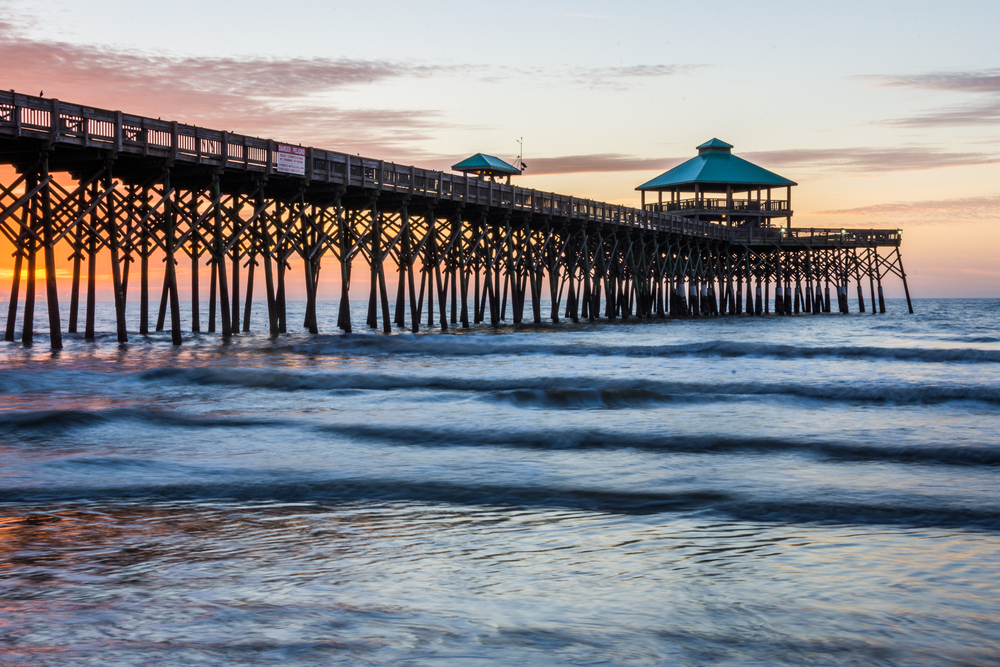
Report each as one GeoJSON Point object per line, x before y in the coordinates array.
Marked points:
{"type": "Point", "coordinates": [487, 167]}
{"type": "Point", "coordinates": [720, 187]}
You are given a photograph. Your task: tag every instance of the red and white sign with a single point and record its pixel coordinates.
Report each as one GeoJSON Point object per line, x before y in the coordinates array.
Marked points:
{"type": "Point", "coordinates": [291, 160]}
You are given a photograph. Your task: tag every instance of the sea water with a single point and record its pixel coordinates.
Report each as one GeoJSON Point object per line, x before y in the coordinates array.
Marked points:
{"type": "Point", "coordinates": [811, 489]}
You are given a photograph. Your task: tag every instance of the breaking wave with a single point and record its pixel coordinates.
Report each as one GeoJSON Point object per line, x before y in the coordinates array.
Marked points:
{"type": "Point", "coordinates": [584, 439]}
{"type": "Point", "coordinates": [305, 489]}
{"type": "Point", "coordinates": [463, 345]}
{"type": "Point", "coordinates": [577, 392]}
{"type": "Point", "coordinates": [708, 502]}
{"type": "Point", "coordinates": [553, 439]}
{"type": "Point", "coordinates": [58, 420]}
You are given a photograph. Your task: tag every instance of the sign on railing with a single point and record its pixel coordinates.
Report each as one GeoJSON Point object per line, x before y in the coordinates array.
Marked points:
{"type": "Point", "coordinates": [291, 160]}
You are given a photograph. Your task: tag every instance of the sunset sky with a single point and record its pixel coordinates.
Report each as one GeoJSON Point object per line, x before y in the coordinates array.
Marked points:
{"type": "Point", "coordinates": [887, 114]}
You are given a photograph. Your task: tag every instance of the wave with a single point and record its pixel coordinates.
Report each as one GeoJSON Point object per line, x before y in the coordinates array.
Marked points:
{"type": "Point", "coordinates": [59, 420]}
{"type": "Point", "coordinates": [863, 514]}
{"type": "Point", "coordinates": [43, 421]}
{"type": "Point", "coordinates": [303, 489]}
{"type": "Point", "coordinates": [690, 392]}
{"type": "Point", "coordinates": [587, 439]}
{"type": "Point", "coordinates": [21, 381]}
{"type": "Point", "coordinates": [578, 392]}
{"type": "Point", "coordinates": [973, 339]}
{"type": "Point", "coordinates": [462, 345]}
{"type": "Point", "coordinates": [703, 502]}
{"type": "Point", "coordinates": [111, 464]}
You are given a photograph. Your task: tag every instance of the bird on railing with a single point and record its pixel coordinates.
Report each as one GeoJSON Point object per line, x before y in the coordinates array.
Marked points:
{"type": "Point", "coordinates": [41, 93]}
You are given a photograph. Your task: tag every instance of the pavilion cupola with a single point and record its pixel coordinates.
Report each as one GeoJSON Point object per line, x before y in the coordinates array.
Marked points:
{"type": "Point", "coordinates": [486, 166]}
{"type": "Point", "coordinates": [715, 145]}
{"type": "Point", "coordinates": [721, 187]}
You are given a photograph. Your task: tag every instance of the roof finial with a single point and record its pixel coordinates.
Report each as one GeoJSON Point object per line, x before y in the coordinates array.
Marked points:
{"type": "Point", "coordinates": [714, 144]}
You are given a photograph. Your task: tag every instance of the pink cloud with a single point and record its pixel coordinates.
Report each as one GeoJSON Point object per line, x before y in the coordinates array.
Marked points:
{"type": "Point", "coordinates": [248, 95]}
{"type": "Point", "coordinates": [985, 84]}
{"type": "Point", "coordinates": [941, 211]}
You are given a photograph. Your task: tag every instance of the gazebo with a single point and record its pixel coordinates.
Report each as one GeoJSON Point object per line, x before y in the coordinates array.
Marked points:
{"type": "Point", "coordinates": [720, 187]}
{"type": "Point", "coordinates": [486, 166]}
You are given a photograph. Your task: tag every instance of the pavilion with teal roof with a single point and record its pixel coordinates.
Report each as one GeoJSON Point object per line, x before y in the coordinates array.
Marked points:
{"type": "Point", "coordinates": [486, 166]}
{"type": "Point", "coordinates": [720, 187]}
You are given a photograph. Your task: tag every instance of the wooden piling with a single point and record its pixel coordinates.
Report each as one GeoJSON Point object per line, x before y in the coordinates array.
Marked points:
{"type": "Point", "coordinates": [117, 284]}
{"type": "Point", "coordinates": [77, 256]}
{"type": "Point", "coordinates": [872, 267]}
{"type": "Point", "coordinates": [144, 269]}
{"type": "Point", "coordinates": [219, 257]}
{"type": "Point", "coordinates": [248, 304]}
{"type": "Point", "coordinates": [235, 302]}
{"type": "Point", "coordinates": [212, 306]}
{"type": "Point", "coordinates": [345, 239]}
{"type": "Point", "coordinates": [263, 230]}
{"type": "Point", "coordinates": [171, 272]}
{"type": "Point", "coordinates": [48, 240]}
{"type": "Point", "coordinates": [15, 286]}
{"type": "Point", "coordinates": [906, 288]}
{"type": "Point", "coordinates": [195, 292]}
{"type": "Point", "coordinates": [28, 324]}
{"type": "Point", "coordinates": [383, 291]}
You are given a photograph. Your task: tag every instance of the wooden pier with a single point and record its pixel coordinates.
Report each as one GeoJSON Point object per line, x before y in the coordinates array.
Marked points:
{"type": "Point", "coordinates": [134, 190]}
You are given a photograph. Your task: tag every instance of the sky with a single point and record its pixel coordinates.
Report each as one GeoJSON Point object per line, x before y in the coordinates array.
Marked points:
{"type": "Point", "coordinates": [887, 114]}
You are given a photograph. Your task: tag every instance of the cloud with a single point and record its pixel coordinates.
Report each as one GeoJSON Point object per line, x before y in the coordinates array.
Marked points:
{"type": "Point", "coordinates": [844, 160]}
{"type": "Point", "coordinates": [621, 78]}
{"type": "Point", "coordinates": [270, 97]}
{"type": "Point", "coordinates": [980, 272]}
{"type": "Point", "coordinates": [570, 164]}
{"type": "Point", "coordinates": [636, 71]}
{"type": "Point", "coordinates": [941, 211]}
{"type": "Point", "coordinates": [986, 81]}
{"type": "Point", "coordinates": [129, 71]}
{"type": "Point", "coordinates": [616, 79]}
{"type": "Point", "coordinates": [869, 160]}
{"type": "Point", "coordinates": [979, 114]}
{"type": "Point", "coordinates": [598, 162]}
{"type": "Point", "coordinates": [984, 84]}
{"type": "Point", "coordinates": [284, 98]}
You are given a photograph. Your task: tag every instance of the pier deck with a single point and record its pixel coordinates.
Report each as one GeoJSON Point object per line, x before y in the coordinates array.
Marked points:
{"type": "Point", "coordinates": [129, 188]}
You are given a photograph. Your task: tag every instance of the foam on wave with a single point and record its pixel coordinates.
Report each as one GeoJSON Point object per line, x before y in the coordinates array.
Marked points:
{"type": "Point", "coordinates": [461, 345]}
{"type": "Point", "coordinates": [703, 501]}
{"type": "Point", "coordinates": [578, 392]}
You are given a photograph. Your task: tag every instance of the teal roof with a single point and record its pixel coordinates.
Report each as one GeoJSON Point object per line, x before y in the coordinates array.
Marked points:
{"type": "Point", "coordinates": [716, 164]}
{"type": "Point", "coordinates": [487, 163]}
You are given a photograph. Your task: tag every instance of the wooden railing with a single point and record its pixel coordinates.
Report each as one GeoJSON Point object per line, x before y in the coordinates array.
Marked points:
{"type": "Point", "coordinates": [819, 237]}
{"type": "Point", "coordinates": [59, 123]}
{"type": "Point", "coordinates": [720, 204]}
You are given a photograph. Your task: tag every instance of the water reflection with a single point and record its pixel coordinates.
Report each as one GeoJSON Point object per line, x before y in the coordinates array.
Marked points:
{"type": "Point", "coordinates": [390, 580]}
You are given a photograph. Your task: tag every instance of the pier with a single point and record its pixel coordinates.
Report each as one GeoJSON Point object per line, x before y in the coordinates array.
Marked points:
{"type": "Point", "coordinates": [107, 186]}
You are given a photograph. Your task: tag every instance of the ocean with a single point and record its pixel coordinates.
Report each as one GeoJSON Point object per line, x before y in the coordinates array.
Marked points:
{"type": "Point", "coordinates": [798, 490]}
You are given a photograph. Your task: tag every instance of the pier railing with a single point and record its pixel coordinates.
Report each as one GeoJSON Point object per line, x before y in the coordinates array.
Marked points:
{"type": "Point", "coordinates": [60, 123]}
{"type": "Point", "coordinates": [815, 236]}
{"type": "Point", "coordinates": [720, 204]}
{"type": "Point", "coordinates": [86, 127]}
